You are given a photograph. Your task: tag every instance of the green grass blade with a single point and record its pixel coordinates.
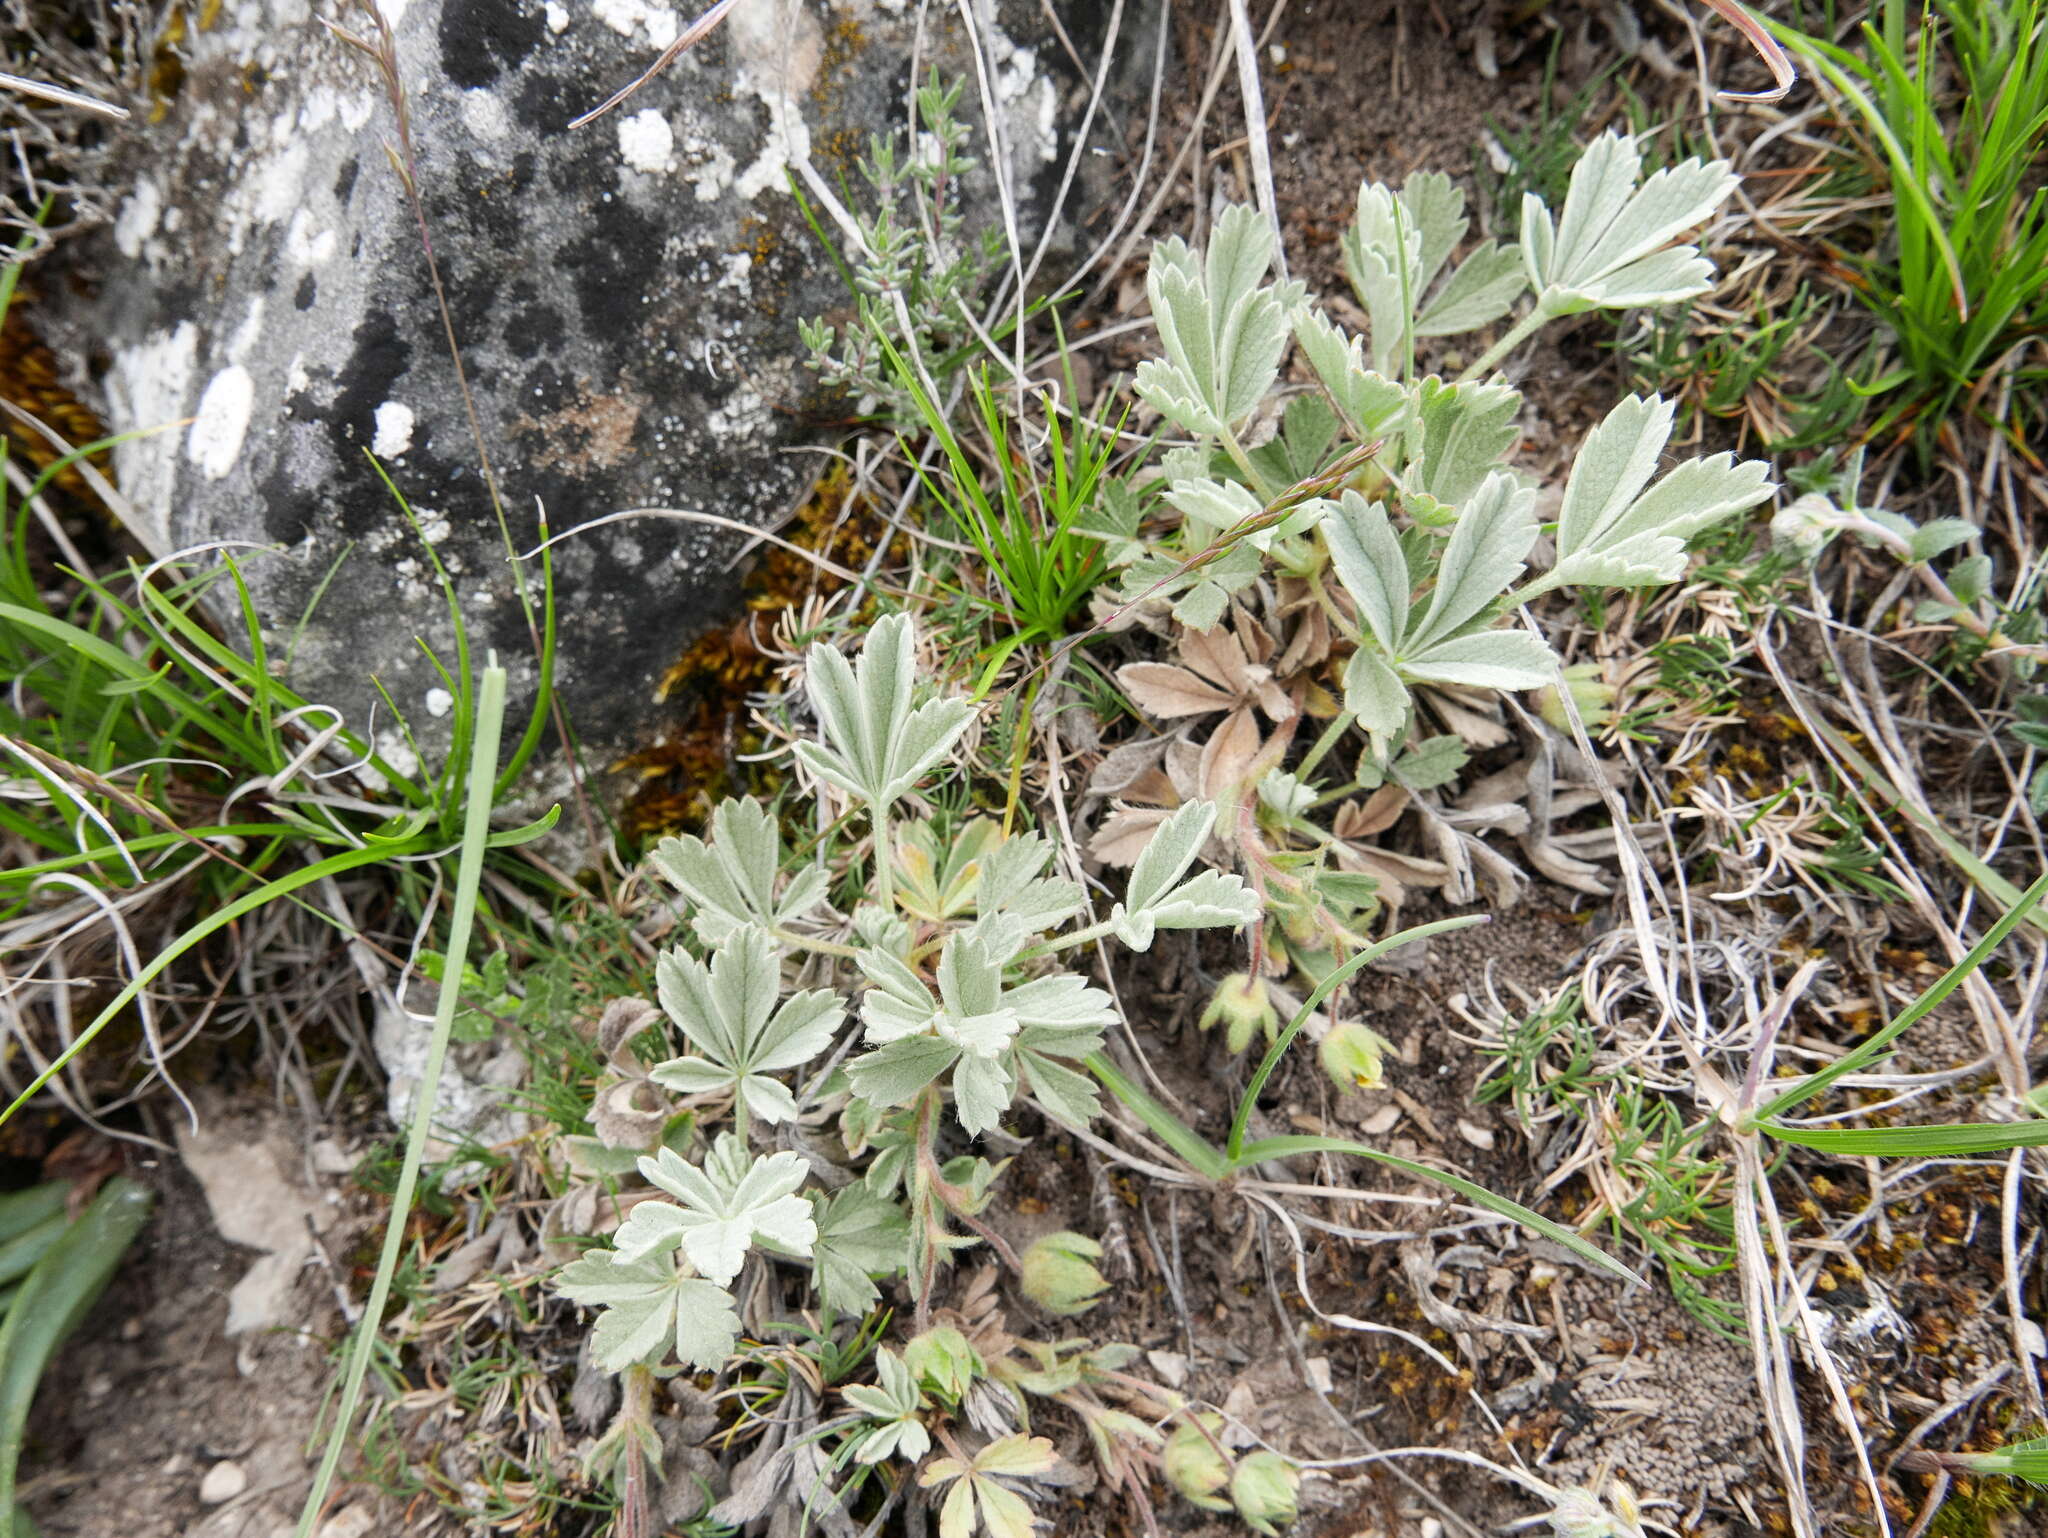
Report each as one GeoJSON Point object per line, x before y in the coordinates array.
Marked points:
{"type": "Point", "coordinates": [334, 865]}
{"type": "Point", "coordinates": [1203, 1157]}
{"type": "Point", "coordinates": [52, 1300]}
{"type": "Point", "coordinates": [1956, 1140]}
{"type": "Point", "coordinates": [1911, 1015]}
{"type": "Point", "coordinates": [476, 829]}
{"type": "Point", "coordinates": [1478, 1195]}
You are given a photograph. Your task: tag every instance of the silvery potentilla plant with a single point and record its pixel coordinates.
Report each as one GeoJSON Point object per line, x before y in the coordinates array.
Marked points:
{"type": "Point", "coordinates": [1354, 555]}
{"type": "Point", "coordinates": [908, 1026]}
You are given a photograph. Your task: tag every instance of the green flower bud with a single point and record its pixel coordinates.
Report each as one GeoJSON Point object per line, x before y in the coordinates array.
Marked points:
{"type": "Point", "coordinates": [1263, 1491]}
{"type": "Point", "coordinates": [1194, 1464]}
{"type": "Point", "coordinates": [1590, 692]}
{"type": "Point", "coordinates": [1354, 1056]}
{"type": "Point", "coordinates": [943, 1361]}
{"type": "Point", "coordinates": [1060, 1276]}
{"type": "Point", "coordinates": [1242, 1003]}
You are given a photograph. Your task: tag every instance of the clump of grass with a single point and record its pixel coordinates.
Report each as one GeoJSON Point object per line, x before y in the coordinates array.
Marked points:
{"type": "Point", "coordinates": [1954, 100]}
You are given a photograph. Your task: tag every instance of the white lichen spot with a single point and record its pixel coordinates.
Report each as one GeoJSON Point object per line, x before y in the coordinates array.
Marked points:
{"type": "Point", "coordinates": [394, 430]}
{"type": "Point", "coordinates": [222, 421]}
{"type": "Point", "coordinates": [397, 753]}
{"type": "Point", "coordinates": [710, 166]}
{"type": "Point", "coordinates": [247, 334]}
{"type": "Point", "coordinates": [296, 378]}
{"type": "Point", "coordinates": [657, 23]}
{"type": "Point", "coordinates": [321, 107]}
{"type": "Point", "coordinates": [281, 185]}
{"type": "Point", "coordinates": [439, 702]}
{"type": "Point", "coordinates": [646, 142]}
{"type": "Point", "coordinates": [484, 113]}
{"type": "Point", "coordinates": [1028, 102]}
{"type": "Point", "coordinates": [305, 246]}
{"type": "Point", "coordinates": [779, 63]}
{"type": "Point", "coordinates": [356, 111]}
{"type": "Point", "coordinates": [739, 273]}
{"type": "Point", "coordinates": [394, 11]}
{"type": "Point", "coordinates": [148, 387]}
{"type": "Point", "coordinates": [434, 527]}
{"type": "Point", "coordinates": [138, 218]}
{"type": "Point", "coordinates": [558, 18]}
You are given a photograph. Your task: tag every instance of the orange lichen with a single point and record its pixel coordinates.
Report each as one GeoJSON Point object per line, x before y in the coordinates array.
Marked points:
{"type": "Point", "coordinates": [28, 380]}
{"type": "Point", "coordinates": [694, 765]}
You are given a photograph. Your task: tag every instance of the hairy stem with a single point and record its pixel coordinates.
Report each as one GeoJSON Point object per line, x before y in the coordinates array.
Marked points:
{"type": "Point", "coordinates": [1517, 334]}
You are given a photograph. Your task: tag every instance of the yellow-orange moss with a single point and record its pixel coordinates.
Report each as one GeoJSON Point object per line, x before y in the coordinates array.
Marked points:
{"type": "Point", "coordinates": [695, 764]}
{"type": "Point", "coordinates": [28, 379]}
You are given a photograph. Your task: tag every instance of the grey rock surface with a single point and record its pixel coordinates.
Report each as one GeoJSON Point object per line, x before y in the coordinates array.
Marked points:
{"type": "Point", "coordinates": [626, 295]}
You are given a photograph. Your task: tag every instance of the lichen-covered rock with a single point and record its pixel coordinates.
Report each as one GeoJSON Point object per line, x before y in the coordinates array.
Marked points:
{"type": "Point", "coordinates": [626, 296]}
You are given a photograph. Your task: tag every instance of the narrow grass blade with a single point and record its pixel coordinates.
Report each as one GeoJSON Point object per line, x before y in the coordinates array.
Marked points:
{"type": "Point", "coordinates": [52, 1300]}
{"type": "Point", "coordinates": [1478, 1195]}
{"type": "Point", "coordinates": [1203, 1157]}
{"type": "Point", "coordinates": [483, 768]}
{"type": "Point", "coordinates": [1980, 874]}
{"type": "Point", "coordinates": [1955, 1140]}
{"type": "Point", "coordinates": [1906, 1018]}
{"type": "Point", "coordinates": [1328, 986]}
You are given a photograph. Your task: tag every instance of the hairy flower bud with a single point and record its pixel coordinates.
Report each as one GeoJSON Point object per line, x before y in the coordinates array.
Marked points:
{"type": "Point", "coordinates": [1060, 1275]}
{"type": "Point", "coordinates": [1243, 1005]}
{"type": "Point", "coordinates": [1194, 1463]}
{"type": "Point", "coordinates": [1263, 1491]}
{"type": "Point", "coordinates": [1354, 1056]}
{"type": "Point", "coordinates": [1579, 1513]}
{"type": "Point", "coordinates": [1805, 523]}
{"type": "Point", "coordinates": [1592, 694]}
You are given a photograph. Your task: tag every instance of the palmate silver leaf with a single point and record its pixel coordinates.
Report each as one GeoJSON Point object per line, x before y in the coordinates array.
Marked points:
{"type": "Point", "coordinates": [1466, 433]}
{"type": "Point", "coordinates": [722, 1209]}
{"type": "Point", "coordinates": [1367, 556]}
{"type": "Point", "coordinates": [1488, 547]}
{"type": "Point", "coordinates": [1223, 329]}
{"type": "Point", "coordinates": [877, 746]}
{"type": "Point", "coordinates": [861, 1235]}
{"type": "Point", "coordinates": [891, 1404]}
{"type": "Point", "coordinates": [1369, 402]}
{"type": "Point", "coordinates": [729, 1013]}
{"type": "Point", "coordinates": [1611, 532]}
{"type": "Point", "coordinates": [1399, 244]}
{"type": "Point", "coordinates": [1604, 249]}
{"type": "Point", "coordinates": [1158, 898]}
{"type": "Point", "coordinates": [649, 1308]}
{"type": "Point", "coordinates": [1486, 551]}
{"type": "Point", "coordinates": [731, 879]}
{"type": "Point", "coordinates": [974, 1026]}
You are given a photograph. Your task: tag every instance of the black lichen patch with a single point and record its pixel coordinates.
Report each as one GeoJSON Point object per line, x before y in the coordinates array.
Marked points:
{"type": "Point", "coordinates": [309, 290]}
{"type": "Point", "coordinates": [481, 39]}
{"type": "Point", "coordinates": [535, 329]}
{"type": "Point", "coordinates": [609, 270]}
{"type": "Point", "coordinates": [547, 104]}
{"type": "Point", "coordinates": [379, 361]}
{"type": "Point", "coordinates": [290, 512]}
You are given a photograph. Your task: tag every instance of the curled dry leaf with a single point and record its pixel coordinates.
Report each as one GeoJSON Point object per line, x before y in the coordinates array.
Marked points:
{"type": "Point", "coordinates": [1223, 668]}
{"type": "Point", "coordinates": [629, 1109]}
{"type": "Point", "coordinates": [1216, 771]}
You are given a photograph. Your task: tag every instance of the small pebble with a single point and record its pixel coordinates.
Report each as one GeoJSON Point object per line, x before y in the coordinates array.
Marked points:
{"type": "Point", "coordinates": [355, 1522]}
{"type": "Point", "coordinates": [223, 1482]}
